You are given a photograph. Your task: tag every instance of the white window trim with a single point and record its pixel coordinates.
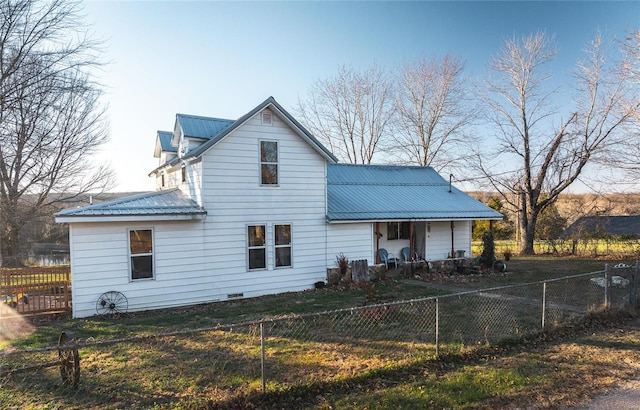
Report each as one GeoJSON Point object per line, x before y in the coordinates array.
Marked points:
{"type": "Point", "coordinates": [153, 254]}
{"type": "Point", "coordinates": [265, 246]}
{"type": "Point", "coordinates": [264, 116]}
{"type": "Point", "coordinates": [277, 163]}
{"type": "Point", "coordinates": [275, 247]}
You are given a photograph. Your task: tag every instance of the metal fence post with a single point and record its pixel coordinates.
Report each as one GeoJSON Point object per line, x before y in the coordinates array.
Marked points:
{"type": "Point", "coordinates": [262, 359]}
{"type": "Point", "coordinates": [607, 291]}
{"type": "Point", "coordinates": [437, 327]}
{"type": "Point", "coordinates": [633, 297]}
{"type": "Point", "coordinates": [544, 301]}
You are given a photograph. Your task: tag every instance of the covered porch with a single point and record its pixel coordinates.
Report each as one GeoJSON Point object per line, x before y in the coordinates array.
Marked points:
{"type": "Point", "coordinates": [376, 207]}
{"type": "Point", "coordinates": [423, 240]}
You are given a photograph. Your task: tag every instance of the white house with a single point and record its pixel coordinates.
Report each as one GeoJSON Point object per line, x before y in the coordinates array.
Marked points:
{"type": "Point", "coordinates": [252, 207]}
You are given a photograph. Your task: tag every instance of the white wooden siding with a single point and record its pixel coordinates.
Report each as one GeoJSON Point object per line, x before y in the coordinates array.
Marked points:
{"type": "Point", "coordinates": [438, 240]}
{"type": "Point", "coordinates": [354, 240]}
{"type": "Point", "coordinates": [101, 264]}
{"type": "Point", "coordinates": [234, 199]}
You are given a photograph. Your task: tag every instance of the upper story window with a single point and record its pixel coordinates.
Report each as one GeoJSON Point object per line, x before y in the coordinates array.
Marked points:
{"type": "Point", "coordinates": [398, 230]}
{"type": "Point", "coordinates": [266, 118]}
{"type": "Point", "coordinates": [184, 174]}
{"type": "Point", "coordinates": [268, 162]}
{"type": "Point", "coordinates": [141, 253]}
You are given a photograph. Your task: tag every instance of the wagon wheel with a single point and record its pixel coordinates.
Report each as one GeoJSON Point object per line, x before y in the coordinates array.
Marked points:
{"type": "Point", "coordinates": [111, 303]}
{"type": "Point", "coordinates": [69, 360]}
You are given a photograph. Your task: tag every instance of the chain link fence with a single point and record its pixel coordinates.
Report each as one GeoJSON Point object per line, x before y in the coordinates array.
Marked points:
{"type": "Point", "coordinates": [224, 363]}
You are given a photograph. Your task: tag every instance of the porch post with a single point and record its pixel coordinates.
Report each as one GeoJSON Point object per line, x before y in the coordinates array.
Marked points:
{"type": "Point", "coordinates": [411, 242]}
{"type": "Point", "coordinates": [377, 233]}
{"type": "Point", "coordinates": [453, 254]}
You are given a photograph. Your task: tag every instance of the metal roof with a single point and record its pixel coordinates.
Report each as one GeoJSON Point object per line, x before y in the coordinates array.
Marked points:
{"type": "Point", "coordinates": [388, 192]}
{"type": "Point", "coordinates": [199, 123]}
{"type": "Point", "coordinates": [616, 225]}
{"type": "Point", "coordinates": [281, 113]}
{"type": "Point", "coordinates": [160, 204]}
{"type": "Point", "coordinates": [201, 127]}
{"type": "Point", "coordinates": [163, 144]}
{"type": "Point", "coordinates": [165, 141]}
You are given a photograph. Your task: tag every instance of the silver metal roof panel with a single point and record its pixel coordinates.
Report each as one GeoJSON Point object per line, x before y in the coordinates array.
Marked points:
{"type": "Point", "coordinates": [165, 141]}
{"type": "Point", "coordinates": [385, 192]}
{"type": "Point", "coordinates": [201, 127]}
{"type": "Point", "coordinates": [159, 203]}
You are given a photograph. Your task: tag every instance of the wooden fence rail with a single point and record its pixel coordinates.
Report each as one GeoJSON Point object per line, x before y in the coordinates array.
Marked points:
{"type": "Point", "coordinates": [36, 290]}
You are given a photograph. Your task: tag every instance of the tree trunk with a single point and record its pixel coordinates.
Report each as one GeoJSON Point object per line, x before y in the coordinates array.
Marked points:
{"type": "Point", "coordinates": [528, 221]}
{"type": "Point", "coordinates": [10, 247]}
{"type": "Point", "coordinates": [527, 240]}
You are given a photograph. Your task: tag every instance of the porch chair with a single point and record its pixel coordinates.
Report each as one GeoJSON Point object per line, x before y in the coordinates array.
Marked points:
{"type": "Point", "coordinates": [387, 258]}
{"type": "Point", "coordinates": [404, 253]}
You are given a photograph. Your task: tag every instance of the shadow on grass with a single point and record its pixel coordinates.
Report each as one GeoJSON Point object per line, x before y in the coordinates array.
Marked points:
{"type": "Point", "coordinates": [523, 368]}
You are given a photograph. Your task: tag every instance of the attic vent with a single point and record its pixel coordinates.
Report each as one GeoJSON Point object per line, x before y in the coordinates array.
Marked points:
{"type": "Point", "coordinates": [235, 295]}
{"type": "Point", "coordinates": [266, 118]}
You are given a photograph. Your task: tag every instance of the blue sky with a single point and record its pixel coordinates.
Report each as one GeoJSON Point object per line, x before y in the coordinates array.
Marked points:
{"type": "Point", "coordinates": [221, 59]}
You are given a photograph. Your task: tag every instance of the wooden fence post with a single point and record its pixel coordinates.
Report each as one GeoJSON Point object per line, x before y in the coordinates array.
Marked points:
{"type": "Point", "coordinates": [360, 271]}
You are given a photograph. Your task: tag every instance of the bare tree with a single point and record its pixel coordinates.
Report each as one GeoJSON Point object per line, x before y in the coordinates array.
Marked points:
{"type": "Point", "coordinates": [542, 151]}
{"type": "Point", "coordinates": [51, 121]}
{"type": "Point", "coordinates": [627, 155]}
{"type": "Point", "coordinates": [432, 111]}
{"type": "Point", "coordinates": [631, 52]}
{"type": "Point", "coordinates": [350, 113]}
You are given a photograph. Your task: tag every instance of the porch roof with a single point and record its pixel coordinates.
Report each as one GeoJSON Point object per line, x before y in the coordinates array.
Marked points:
{"type": "Point", "coordinates": [159, 205]}
{"type": "Point", "coordinates": [395, 193]}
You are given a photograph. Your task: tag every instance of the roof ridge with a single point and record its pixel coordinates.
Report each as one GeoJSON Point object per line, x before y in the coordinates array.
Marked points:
{"type": "Point", "coordinates": [379, 183]}
{"type": "Point", "coordinates": [400, 166]}
{"type": "Point", "coordinates": [126, 199]}
{"type": "Point", "coordinates": [202, 117]}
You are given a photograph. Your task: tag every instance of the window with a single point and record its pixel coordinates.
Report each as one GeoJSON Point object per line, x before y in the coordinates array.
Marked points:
{"type": "Point", "coordinates": [268, 163]}
{"type": "Point", "coordinates": [141, 253]}
{"type": "Point", "coordinates": [257, 247]}
{"type": "Point", "coordinates": [266, 118]}
{"type": "Point", "coordinates": [398, 230]}
{"type": "Point", "coordinates": [282, 241]}
{"type": "Point", "coordinates": [162, 180]}
{"type": "Point", "coordinates": [184, 174]}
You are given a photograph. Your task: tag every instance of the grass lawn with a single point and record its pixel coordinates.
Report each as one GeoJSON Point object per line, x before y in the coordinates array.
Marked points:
{"type": "Point", "coordinates": [216, 369]}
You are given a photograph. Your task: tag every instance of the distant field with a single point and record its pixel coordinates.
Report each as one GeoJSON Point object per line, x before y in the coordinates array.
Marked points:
{"type": "Point", "coordinates": [592, 248]}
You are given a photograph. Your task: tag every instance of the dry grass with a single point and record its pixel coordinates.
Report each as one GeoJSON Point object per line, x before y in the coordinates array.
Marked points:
{"type": "Point", "coordinates": [221, 369]}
